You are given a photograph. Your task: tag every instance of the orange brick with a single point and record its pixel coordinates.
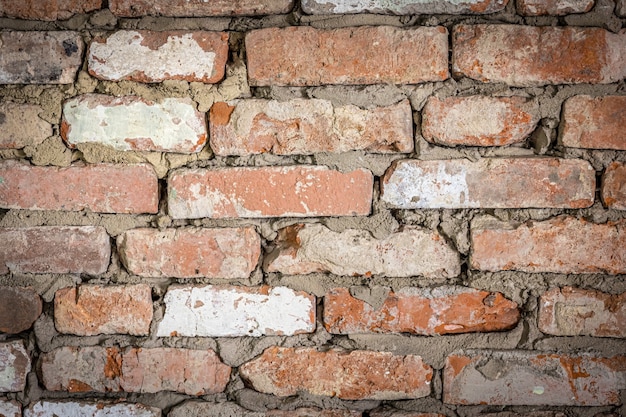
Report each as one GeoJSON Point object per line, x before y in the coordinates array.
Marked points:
{"type": "Point", "coordinates": [357, 375]}
{"type": "Point", "coordinates": [302, 56]}
{"type": "Point", "coordinates": [594, 122]}
{"type": "Point", "coordinates": [19, 308]}
{"type": "Point", "coordinates": [198, 8]}
{"type": "Point", "coordinates": [614, 186]}
{"type": "Point", "coordinates": [553, 7]}
{"type": "Point", "coordinates": [47, 9]}
{"type": "Point", "coordinates": [21, 125]}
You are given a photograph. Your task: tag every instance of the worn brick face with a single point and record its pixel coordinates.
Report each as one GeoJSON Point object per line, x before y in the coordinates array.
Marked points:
{"type": "Point", "coordinates": [197, 408]}
{"type": "Point", "coordinates": [21, 125]}
{"type": "Point", "coordinates": [553, 7]}
{"type": "Point", "coordinates": [614, 186]}
{"type": "Point", "coordinates": [403, 7]}
{"type": "Point", "coordinates": [396, 413]}
{"type": "Point", "coordinates": [198, 8]}
{"type": "Point", "coordinates": [10, 408]}
{"type": "Point", "coordinates": [302, 56]}
{"type": "Point", "coordinates": [19, 308]}
{"type": "Point", "coordinates": [89, 409]}
{"type": "Point", "coordinates": [356, 375]}
{"type": "Point", "coordinates": [14, 366]}
{"type": "Point", "coordinates": [47, 9]}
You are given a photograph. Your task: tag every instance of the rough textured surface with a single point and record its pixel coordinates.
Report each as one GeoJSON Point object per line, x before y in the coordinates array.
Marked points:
{"type": "Point", "coordinates": [302, 127]}
{"type": "Point", "coordinates": [236, 311]}
{"type": "Point", "coordinates": [563, 244]}
{"type": "Point", "coordinates": [489, 182]}
{"type": "Point", "coordinates": [614, 186]}
{"type": "Point", "coordinates": [353, 376]}
{"type": "Point", "coordinates": [89, 409]}
{"type": "Point", "coordinates": [197, 408]}
{"type": "Point", "coordinates": [21, 125]}
{"type": "Point", "coordinates": [189, 8]}
{"type": "Point", "coordinates": [396, 413]}
{"type": "Point", "coordinates": [308, 248]}
{"type": "Point", "coordinates": [19, 308]}
{"type": "Point", "coordinates": [10, 408]}
{"type": "Point", "coordinates": [403, 7]}
{"type": "Point", "coordinates": [14, 366]}
{"type": "Point", "coordinates": [47, 9]}
{"type": "Point", "coordinates": [362, 55]}
{"type": "Point", "coordinates": [553, 7]}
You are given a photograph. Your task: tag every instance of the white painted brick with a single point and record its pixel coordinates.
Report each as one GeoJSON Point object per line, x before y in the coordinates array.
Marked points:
{"type": "Point", "coordinates": [14, 366]}
{"type": "Point", "coordinates": [10, 408]}
{"type": "Point", "coordinates": [88, 409]}
{"type": "Point", "coordinates": [402, 7]}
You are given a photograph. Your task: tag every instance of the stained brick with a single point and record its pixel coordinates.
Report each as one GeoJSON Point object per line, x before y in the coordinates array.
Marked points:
{"type": "Point", "coordinates": [479, 120]}
{"type": "Point", "coordinates": [356, 375]}
{"type": "Point", "coordinates": [10, 408]}
{"type": "Point", "coordinates": [302, 126]}
{"type": "Point", "coordinates": [21, 125]}
{"type": "Point", "coordinates": [132, 123]}
{"type": "Point", "coordinates": [55, 249]}
{"type": "Point", "coordinates": [89, 409]}
{"type": "Point", "coordinates": [302, 56]}
{"type": "Point", "coordinates": [562, 245]}
{"type": "Point", "coordinates": [395, 413]}
{"type": "Point", "coordinates": [14, 366]}
{"type": "Point", "coordinates": [103, 188]}
{"type": "Point", "coordinates": [489, 183]}
{"type": "Point", "coordinates": [149, 56]}
{"type": "Point", "coordinates": [403, 7]}
{"type": "Point", "coordinates": [47, 10]}
{"type": "Point", "coordinates": [227, 409]}
{"type": "Point", "coordinates": [614, 186]}
{"type": "Point", "coordinates": [304, 249]}
{"type": "Point", "coordinates": [100, 369]}
{"type": "Point", "coordinates": [198, 8]}
{"type": "Point", "coordinates": [190, 253]}
{"type": "Point", "coordinates": [296, 191]}
{"type": "Point", "coordinates": [553, 7]}
{"type": "Point", "coordinates": [19, 308]}
{"type": "Point", "coordinates": [538, 55]}
{"type": "Point", "coordinates": [531, 378]}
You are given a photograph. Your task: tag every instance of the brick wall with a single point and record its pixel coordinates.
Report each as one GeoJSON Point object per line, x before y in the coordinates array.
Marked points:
{"type": "Point", "coordinates": [312, 208]}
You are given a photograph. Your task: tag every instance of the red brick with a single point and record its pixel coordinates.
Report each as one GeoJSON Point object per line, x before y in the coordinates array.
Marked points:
{"type": "Point", "coordinates": [575, 312]}
{"type": "Point", "coordinates": [19, 308]}
{"type": "Point", "coordinates": [14, 366]}
{"type": "Point", "coordinates": [302, 56]}
{"type": "Point", "coordinates": [479, 120]}
{"type": "Point", "coordinates": [594, 122]}
{"type": "Point", "coordinates": [55, 249]}
{"type": "Point", "coordinates": [198, 8]}
{"type": "Point", "coordinates": [356, 375]}
{"type": "Point", "coordinates": [614, 186]}
{"type": "Point", "coordinates": [89, 409]}
{"type": "Point", "coordinates": [294, 191]}
{"type": "Point", "coordinates": [444, 310]}
{"type": "Point", "coordinates": [404, 7]}
{"type": "Point", "coordinates": [489, 183]}
{"type": "Point", "coordinates": [103, 188]}
{"type": "Point", "coordinates": [302, 127]}
{"type": "Point", "coordinates": [94, 309]}
{"type": "Point", "coordinates": [562, 245]}
{"type": "Point", "coordinates": [10, 408]}
{"type": "Point", "coordinates": [47, 9]}
{"type": "Point", "coordinates": [21, 125]}
{"type": "Point", "coordinates": [99, 369]}
{"type": "Point", "coordinates": [533, 55]}
{"type": "Point", "coordinates": [531, 378]}
{"type": "Point", "coordinates": [553, 7]}
{"type": "Point", "coordinates": [190, 253]}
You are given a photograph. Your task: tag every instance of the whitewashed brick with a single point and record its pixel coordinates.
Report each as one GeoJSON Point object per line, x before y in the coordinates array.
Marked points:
{"type": "Point", "coordinates": [10, 408]}
{"type": "Point", "coordinates": [402, 7]}
{"type": "Point", "coordinates": [88, 409]}
{"type": "Point", "coordinates": [14, 366]}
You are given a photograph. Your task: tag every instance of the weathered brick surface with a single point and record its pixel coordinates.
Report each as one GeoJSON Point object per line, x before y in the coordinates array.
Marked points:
{"type": "Point", "coordinates": [132, 123]}
{"type": "Point", "coordinates": [93, 309]}
{"type": "Point", "coordinates": [21, 126]}
{"type": "Point", "coordinates": [479, 120]}
{"type": "Point", "coordinates": [190, 253]}
{"type": "Point", "coordinates": [443, 310]}
{"type": "Point", "coordinates": [103, 188]}
{"type": "Point", "coordinates": [300, 126]}
{"type": "Point", "coordinates": [359, 55]}
{"type": "Point", "coordinates": [403, 7]}
{"type": "Point", "coordinates": [10, 408]}
{"type": "Point", "coordinates": [572, 312]}
{"type": "Point", "coordinates": [528, 55]}
{"type": "Point", "coordinates": [308, 248]}
{"type": "Point", "coordinates": [553, 7]}
{"type": "Point", "coordinates": [562, 245]}
{"type": "Point", "coordinates": [356, 375]}
{"type": "Point", "coordinates": [39, 57]}
{"type": "Point", "coordinates": [614, 186]}
{"type": "Point", "coordinates": [594, 122]}
{"type": "Point", "coordinates": [396, 413]}
{"type": "Point", "coordinates": [55, 249]}
{"type": "Point", "coordinates": [47, 9]}
{"type": "Point", "coordinates": [531, 378]}
{"type": "Point", "coordinates": [198, 8]}
{"type": "Point", "coordinates": [228, 409]}
{"type": "Point", "coordinates": [14, 366]}
{"type": "Point", "coordinates": [19, 308]}
{"type": "Point", "coordinates": [218, 311]}
{"type": "Point", "coordinates": [89, 409]}
{"type": "Point", "coordinates": [148, 56]}
{"type": "Point", "coordinates": [99, 369]}
{"type": "Point", "coordinates": [489, 183]}
{"type": "Point", "coordinates": [296, 191]}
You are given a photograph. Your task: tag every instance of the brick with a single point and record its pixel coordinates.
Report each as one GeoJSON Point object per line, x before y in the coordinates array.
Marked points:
{"type": "Point", "coordinates": [228, 311]}
{"type": "Point", "coordinates": [21, 125]}
{"type": "Point", "coordinates": [294, 191]}
{"type": "Point", "coordinates": [532, 55]}
{"type": "Point", "coordinates": [132, 123]}
{"type": "Point", "coordinates": [10, 408]}
{"type": "Point", "coordinates": [19, 308]}
{"type": "Point", "coordinates": [479, 120]}
{"type": "Point", "coordinates": [198, 8]}
{"type": "Point", "coordinates": [553, 7]}
{"type": "Point", "coordinates": [356, 375]}
{"type": "Point", "coordinates": [303, 56]}
{"type": "Point", "coordinates": [531, 378]}
{"type": "Point", "coordinates": [594, 122]}
{"type": "Point", "coordinates": [528, 414]}
{"type": "Point", "coordinates": [308, 248]}
{"type": "Point", "coordinates": [396, 413]}
{"type": "Point", "coordinates": [443, 310]}
{"type": "Point", "coordinates": [489, 183]}
{"type": "Point", "coordinates": [100, 369]}
{"type": "Point", "coordinates": [40, 57]}
{"type": "Point", "coordinates": [313, 412]}
{"type": "Point", "coordinates": [575, 312]}
{"type": "Point", "coordinates": [230, 253]}
{"type": "Point", "coordinates": [302, 127]}
{"type": "Point", "coordinates": [561, 245]}
{"type": "Point", "coordinates": [47, 10]}
{"type": "Point", "coordinates": [228, 409]}
{"type": "Point", "coordinates": [14, 366]}
{"type": "Point", "coordinates": [89, 409]}
{"type": "Point", "coordinates": [93, 309]}
{"type": "Point", "coordinates": [102, 188]}
{"type": "Point", "coordinates": [55, 249]}
{"type": "Point", "coordinates": [403, 7]}
{"type": "Point", "coordinates": [614, 186]}
{"type": "Point", "coordinates": [149, 56]}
